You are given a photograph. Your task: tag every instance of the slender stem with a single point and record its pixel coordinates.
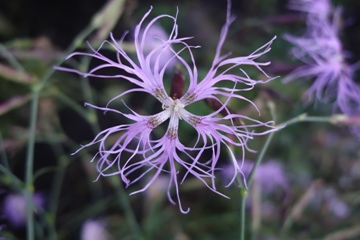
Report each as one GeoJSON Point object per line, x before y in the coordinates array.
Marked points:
{"type": "Point", "coordinates": [56, 188]}
{"type": "Point", "coordinates": [29, 178]}
{"type": "Point", "coordinates": [16, 182]}
{"type": "Point", "coordinates": [4, 157]}
{"type": "Point", "coordinates": [264, 148]}
{"type": "Point", "coordinates": [259, 158]}
{"type": "Point", "coordinates": [251, 175]}
{"type": "Point", "coordinates": [11, 59]}
{"type": "Point", "coordinates": [29, 187]}
{"type": "Point", "coordinates": [75, 44]}
{"type": "Point", "coordinates": [301, 118]}
{"type": "Point", "coordinates": [87, 92]}
{"type": "Point", "coordinates": [299, 207]}
{"type": "Point", "coordinates": [305, 118]}
{"type": "Point", "coordinates": [32, 126]}
{"type": "Point", "coordinates": [255, 210]}
{"type": "Point", "coordinates": [244, 191]}
{"type": "Point", "coordinates": [71, 104]}
{"type": "Point", "coordinates": [243, 196]}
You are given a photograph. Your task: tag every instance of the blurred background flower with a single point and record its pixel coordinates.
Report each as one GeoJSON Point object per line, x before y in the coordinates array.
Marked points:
{"type": "Point", "coordinates": [94, 230]}
{"type": "Point", "coordinates": [14, 208]}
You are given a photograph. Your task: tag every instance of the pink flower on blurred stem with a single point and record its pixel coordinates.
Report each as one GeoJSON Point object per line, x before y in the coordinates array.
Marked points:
{"type": "Point", "coordinates": [168, 153]}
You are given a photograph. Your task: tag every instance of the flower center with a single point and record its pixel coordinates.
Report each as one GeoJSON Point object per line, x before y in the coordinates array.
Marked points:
{"type": "Point", "coordinates": [178, 106]}
{"type": "Point", "coordinates": [175, 107]}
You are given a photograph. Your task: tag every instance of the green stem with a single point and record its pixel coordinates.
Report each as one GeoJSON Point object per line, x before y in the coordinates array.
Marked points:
{"type": "Point", "coordinates": [10, 58]}
{"type": "Point", "coordinates": [252, 173]}
{"type": "Point", "coordinates": [71, 104]}
{"type": "Point", "coordinates": [259, 158]}
{"type": "Point", "coordinates": [16, 182]}
{"type": "Point", "coordinates": [56, 190]}
{"type": "Point", "coordinates": [305, 118]}
{"type": "Point", "coordinates": [261, 155]}
{"type": "Point", "coordinates": [243, 196]}
{"type": "Point", "coordinates": [33, 119]}
{"type": "Point", "coordinates": [87, 92]}
{"type": "Point", "coordinates": [29, 187]}
{"type": "Point", "coordinates": [29, 178]}
{"type": "Point", "coordinates": [4, 157]}
{"type": "Point", "coordinates": [75, 44]}
{"type": "Point", "coordinates": [301, 118]}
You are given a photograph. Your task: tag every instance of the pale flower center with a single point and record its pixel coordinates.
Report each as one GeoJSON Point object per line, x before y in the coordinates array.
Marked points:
{"type": "Point", "coordinates": [178, 106]}
{"type": "Point", "coordinates": [175, 107]}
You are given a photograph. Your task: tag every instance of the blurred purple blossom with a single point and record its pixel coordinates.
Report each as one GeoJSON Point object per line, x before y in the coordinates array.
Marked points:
{"type": "Point", "coordinates": [327, 197]}
{"type": "Point", "coordinates": [166, 154]}
{"type": "Point", "coordinates": [14, 207]}
{"type": "Point", "coordinates": [321, 51]}
{"type": "Point", "coordinates": [270, 174]}
{"type": "Point", "coordinates": [94, 230]}
{"type": "Point", "coordinates": [157, 189]}
{"type": "Point", "coordinates": [315, 9]}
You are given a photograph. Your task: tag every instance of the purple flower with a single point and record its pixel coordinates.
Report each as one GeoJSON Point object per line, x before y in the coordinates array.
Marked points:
{"type": "Point", "coordinates": [270, 175]}
{"type": "Point", "coordinates": [319, 9]}
{"type": "Point", "coordinates": [14, 208]}
{"type": "Point", "coordinates": [168, 154]}
{"type": "Point", "coordinates": [93, 230]}
{"type": "Point", "coordinates": [327, 198]}
{"type": "Point", "coordinates": [324, 58]}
